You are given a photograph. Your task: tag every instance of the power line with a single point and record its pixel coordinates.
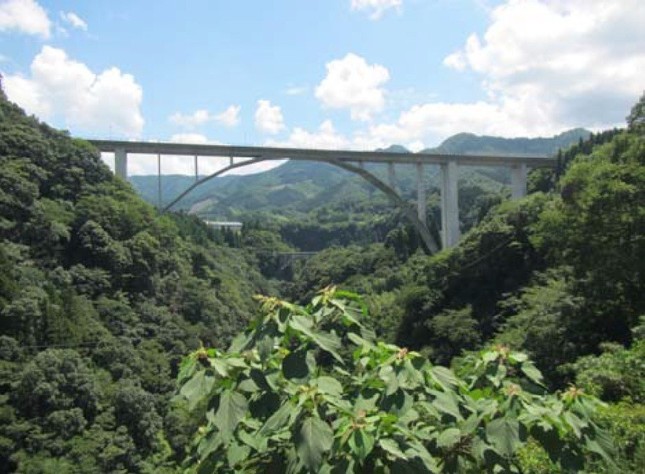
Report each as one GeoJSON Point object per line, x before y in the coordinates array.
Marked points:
{"type": "Point", "coordinates": [62, 346]}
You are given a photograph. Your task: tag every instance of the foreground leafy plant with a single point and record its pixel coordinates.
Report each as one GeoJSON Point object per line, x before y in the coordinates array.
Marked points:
{"type": "Point", "coordinates": [308, 389]}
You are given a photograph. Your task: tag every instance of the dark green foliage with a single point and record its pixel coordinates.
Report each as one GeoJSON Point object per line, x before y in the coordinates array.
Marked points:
{"type": "Point", "coordinates": [135, 409]}
{"type": "Point", "coordinates": [545, 321]}
{"type": "Point", "coordinates": [99, 298]}
{"type": "Point", "coordinates": [636, 117]}
{"type": "Point", "coordinates": [616, 374]}
{"type": "Point", "coordinates": [340, 264]}
{"type": "Point", "coordinates": [56, 380]}
{"type": "Point", "coordinates": [625, 423]}
{"type": "Point", "coordinates": [275, 403]}
{"type": "Point", "coordinates": [452, 331]}
{"type": "Point", "coordinates": [555, 274]}
{"type": "Point", "coordinates": [493, 259]}
{"type": "Point", "coordinates": [597, 226]}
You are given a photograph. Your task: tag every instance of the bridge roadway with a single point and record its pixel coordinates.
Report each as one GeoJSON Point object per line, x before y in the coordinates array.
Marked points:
{"type": "Point", "coordinates": [347, 159]}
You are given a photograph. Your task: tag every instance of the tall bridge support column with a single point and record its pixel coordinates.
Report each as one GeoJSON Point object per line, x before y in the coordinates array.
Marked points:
{"type": "Point", "coordinates": [159, 197]}
{"type": "Point", "coordinates": [518, 181]}
{"type": "Point", "coordinates": [391, 175]}
{"type": "Point", "coordinates": [121, 163]}
{"type": "Point", "coordinates": [449, 204]}
{"type": "Point", "coordinates": [421, 194]}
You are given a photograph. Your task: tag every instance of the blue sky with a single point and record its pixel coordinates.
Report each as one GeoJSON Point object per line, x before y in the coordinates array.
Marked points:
{"type": "Point", "coordinates": [334, 73]}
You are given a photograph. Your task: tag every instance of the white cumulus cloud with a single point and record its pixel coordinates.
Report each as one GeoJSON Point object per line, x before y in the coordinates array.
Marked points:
{"type": "Point", "coordinates": [549, 65]}
{"type": "Point", "coordinates": [62, 89]}
{"type": "Point", "coordinates": [199, 117]}
{"type": "Point", "coordinates": [376, 7]}
{"type": "Point", "coordinates": [326, 137]}
{"type": "Point", "coordinates": [230, 117]}
{"type": "Point", "coordinates": [545, 67]}
{"type": "Point", "coordinates": [24, 16]}
{"type": "Point", "coordinates": [74, 20]}
{"type": "Point", "coordinates": [354, 84]}
{"type": "Point", "coordinates": [268, 118]}
{"type": "Point", "coordinates": [196, 138]}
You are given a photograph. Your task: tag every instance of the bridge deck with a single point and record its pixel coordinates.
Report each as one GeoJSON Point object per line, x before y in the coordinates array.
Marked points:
{"type": "Point", "coordinates": [269, 153]}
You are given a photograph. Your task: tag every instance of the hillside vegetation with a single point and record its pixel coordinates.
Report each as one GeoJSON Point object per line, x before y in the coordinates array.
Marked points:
{"type": "Point", "coordinates": [118, 346]}
{"type": "Point", "coordinates": [100, 298]}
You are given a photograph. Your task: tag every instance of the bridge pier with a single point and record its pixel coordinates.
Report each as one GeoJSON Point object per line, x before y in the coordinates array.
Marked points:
{"type": "Point", "coordinates": [421, 194]}
{"type": "Point", "coordinates": [159, 180]}
{"type": "Point", "coordinates": [121, 163]}
{"type": "Point", "coordinates": [391, 175]}
{"type": "Point", "coordinates": [449, 204]}
{"type": "Point", "coordinates": [518, 181]}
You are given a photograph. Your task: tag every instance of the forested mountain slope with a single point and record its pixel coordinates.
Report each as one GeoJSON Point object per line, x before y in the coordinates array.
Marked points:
{"type": "Point", "coordinates": [100, 297]}
{"type": "Point", "coordinates": [558, 274]}
{"type": "Point", "coordinates": [587, 233]}
{"type": "Point", "coordinates": [471, 144]}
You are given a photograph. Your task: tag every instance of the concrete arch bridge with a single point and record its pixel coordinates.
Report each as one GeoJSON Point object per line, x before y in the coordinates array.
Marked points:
{"type": "Point", "coordinates": [352, 161]}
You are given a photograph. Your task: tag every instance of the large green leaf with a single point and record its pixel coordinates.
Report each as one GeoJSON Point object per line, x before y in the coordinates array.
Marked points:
{"type": "Point", "coordinates": [294, 366]}
{"type": "Point", "coordinates": [392, 447]}
{"type": "Point", "coordinates": [409, 377]}
{"type": "Point", "coordinates": [237, 453]}
{"type": "Point", "coordinates": [576, 423]}
{"type": "Point", "coordinates": [253, 440]}
{"type": "Point", "coordinates": [387, 375]}
{"type": "Point", "coordinates": [278, 419]}
{"type": "Point", "coordinates": [329, 385]}
{"type": "Point", "coordinates": [601, 443]}
{"type": "Point", "coordinates": [444, 377]}
{"type": "Point", "coordinates": [504, 435]}
{"type": "Point", "coordinates": [232, 408]}
{"type": "Point", "coordinates": [532, 372]}
{"type": "Point", "coordinates": [209, 444]}
{"type": "Point", "coordinates": [302, 324]}
{"type": "Point", "coordinates": [446, 402]}
{"type": "Point", "coordinates": [361, 443]}
{"type": "Point", "coordinates": [265, 347]}
{"type": "Point", "coordinates": [187, 368]}
{"type": "Point", "coordinates": [448, 438]}
{"type": "Point", "coordinates": [313, 440]}
{"type": "Point", "coordinates": [197, 388]}
{"type": "Point", "coordinates": [327, 341]}
{"type": "Point", "coordinates": [417, 449]}
{"type": "Point", "coordinates": [220, 366]}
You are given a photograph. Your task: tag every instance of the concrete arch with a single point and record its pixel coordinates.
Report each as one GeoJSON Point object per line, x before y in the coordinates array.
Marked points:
{"type": "Point", "coordinates": [428, 240]}
{"type": "Point", "coordinates": [199, 182]}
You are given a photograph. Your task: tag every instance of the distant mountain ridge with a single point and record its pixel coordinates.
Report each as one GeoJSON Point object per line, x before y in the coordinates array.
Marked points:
{"type": "Point", "coordinates": [301, 186]}
{"type": "Point", "coordinates": [471, 144]}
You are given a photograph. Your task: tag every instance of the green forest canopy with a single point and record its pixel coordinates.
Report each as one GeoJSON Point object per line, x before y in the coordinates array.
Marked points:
{"type": "Point", "coordinates": [101, 298]}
